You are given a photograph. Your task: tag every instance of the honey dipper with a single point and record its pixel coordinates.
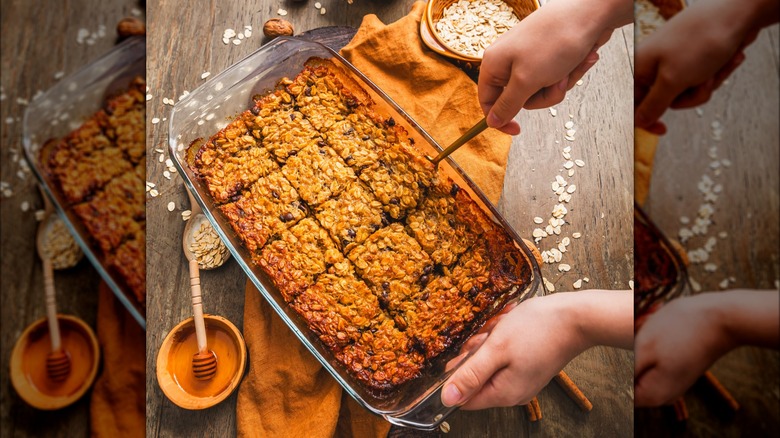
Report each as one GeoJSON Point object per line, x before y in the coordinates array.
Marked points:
{"type": "Point", "coordinates": [204, 362]}
{"type": "Point", "coordinates": [58, 360]}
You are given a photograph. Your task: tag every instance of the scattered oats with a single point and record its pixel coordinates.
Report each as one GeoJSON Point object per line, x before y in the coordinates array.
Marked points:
{"type": "Point", "coordinates": [566, 155]}
{"type": "Point", "coordinates": [712, 152]}
{"type": "Point", "coordinates": [571, 172]}
{"type": "Point", "coordinates": [725, 162]}
{"type": "Point", "coordinates": [576, 235]}
{"type": "Point", "coordinates": [240, 36]}
{"type": "Point", "coordinates": [161, 158]}
{"type": "Point", "coordinates": [733, 279]}
{"type": "Point", "coordinates": [538, 232]}
{"type": "Point", "coordinates": [555, 186]}
{"type": "Point", "coordinates": [710, 267]}
{"type": "Point", "coordinates": [550, 287]}
{"type": "Point", "coordinates": [171, 206]}
{"type": "Point", "coordinates": [566, 241]}
{"type": "Point", "coordinates": [149, 97]}
{"type": "Point", "coordinates": [561, 247]}
{"type": "Point", "coordinates": [281, 12]}
{"type": "Point", "coordinates": [167, 174]}
{"type": "Point", "coordinates": [236, 42]}
{"type": "Point", "coordinates": [710, 245]}
{"type": "Point", "coordinates": [586, 279]}
{"type": "Point", "coordinates": [25, 206]}
{"type": "Point", "coordinates": [723, 234]}
{"type": "Point", "coordinates": [538, 220]}
{"type": "Point", "coordinates": [564, 197]}
{"type": "Point", "coordinates": [226, 40]}
{"type": "Point", "coordinates": [572, 188]}
{"type": "Point", "coordinates": [186, 214]}
{"type": "Point", "coordinates": [317, 5]}
{"type": "Point", "coordinates": [228, 33]}
{"type": "Point", "coordinates": [579, 82]}
{"type": "Point", "coordinates": [444, 426]}
{"type": "Point", "coordinates": [563, 267]}
{"type": "Point", "coordinates": [569, 138]}
{"type": "Point", "coordinates": [699, 111]}
{"type": "Point", "coordinates": [559, 211]}
{"type": "Point", "coordinates": [155, 121]}
{"type": "Point", "coordinates": [577, 284]}
{"type": "Point", "coordinates": [39, 215]}
{"type": "Point", "coordinates": [568, 164]}
{"type": "Point", "coordinates": [561, 182]}
{"type": "Point", "coordinates": [205, 74]}
{"type": "Point", "coordinates": [322, 12]}
{"type": "Point", "coordinates": [59, 75]}
{"type": "Point", "coordinates": [169, 162]}
{"type": "Point", "coordinates": [717, 188]}
{"type": "Point", "coordinates": [153, 193]}
{"type": "Point", "coordinates": [724, 284]}
{"type": "Point", "coordinates": [557, 255]}
{"type": "Point", "coordinates": [579, 163]}
{"type": "Point", "coordinates": [685, 220]}
{"type": "Point", "coordinates": [715, 164]}
{"type": "Point", "coordinates": [201, 122]}
{"type": "Point", "coordinates": [694, 284]}
{"type": "Point", "coordinates": [553, 112]}
{"type": "Point", "coordinates": [9, 120]}
{"type": "Point", "coordinates": [247, 33]}
{"type": "Point", "coordinates": [631, 284]}
{"type": "Point", "coordinates": [136, 12]}
{"type": "Point", "coordinates": [569, 124]}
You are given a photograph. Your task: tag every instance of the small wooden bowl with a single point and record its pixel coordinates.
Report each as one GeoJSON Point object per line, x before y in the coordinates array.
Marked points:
{"type": "Point", "coordinates": [28, 363]}
{"type": "Point", "coordinates": [174, 363]}
{"type": "Point", "coordinates": [435, 10]}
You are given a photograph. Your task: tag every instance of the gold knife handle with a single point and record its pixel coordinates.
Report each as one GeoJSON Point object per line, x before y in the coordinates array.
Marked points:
{"type": "Point", "coordinates": [471, 133]}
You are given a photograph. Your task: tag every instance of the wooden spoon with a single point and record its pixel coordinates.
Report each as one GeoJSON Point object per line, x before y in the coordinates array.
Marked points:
{"type": "Point", "coordinates": [58, 360]}
{"type": "Point", "coordinates": [196, 219]}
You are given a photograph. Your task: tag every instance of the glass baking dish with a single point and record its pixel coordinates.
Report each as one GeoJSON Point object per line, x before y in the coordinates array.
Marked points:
{"type": "Point", "coordinates": [210, 107]}
{"type": "Point", "coordinates": [659, 271]}
{"type": "Point", "coordinates": [62, 109]}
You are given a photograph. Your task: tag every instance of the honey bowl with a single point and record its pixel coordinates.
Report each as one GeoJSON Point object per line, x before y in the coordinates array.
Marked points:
{"type": "Point", "coordinates": [28, 363]}
{"type": "Point", "coordinates": [174, 363]}
{"type": "Point", "coordinates": [435, 41]}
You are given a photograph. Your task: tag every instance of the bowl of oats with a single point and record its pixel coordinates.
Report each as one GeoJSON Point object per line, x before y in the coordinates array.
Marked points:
{"type": "Point", "coordinates": [465, 28]}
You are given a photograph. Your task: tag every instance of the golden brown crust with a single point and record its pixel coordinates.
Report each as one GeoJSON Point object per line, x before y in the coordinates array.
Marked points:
{"type": "Point", "coordinates": [100, 170]}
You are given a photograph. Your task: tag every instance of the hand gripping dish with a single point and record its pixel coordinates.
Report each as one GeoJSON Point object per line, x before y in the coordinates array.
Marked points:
{"type": "Point", "coordinates": [381, 264]}
{"type": "Point", "coordinates": [85, 141]}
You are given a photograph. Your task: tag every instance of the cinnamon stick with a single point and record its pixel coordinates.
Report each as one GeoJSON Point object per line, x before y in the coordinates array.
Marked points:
{"type": "Point", "coordinates": [537, 409]}
{"type": "Point", "coordinates": [531, 413]}
{"type": "Point", "coordinates": [722, 391]}
{"type": "Point", "coordinates": [681, 409]}
{"type": "Point", "coordinates": [573, 391]}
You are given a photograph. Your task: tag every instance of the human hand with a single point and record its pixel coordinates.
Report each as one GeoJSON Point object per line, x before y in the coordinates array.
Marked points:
{"type": "Point", "coordinates": [537, 61]}
{"type": "Point", "coordinates": [523, 349]}
{"type": "Point", "coordinates": [684, 337]}
{"type": "Point", "coordinates": [686, 60]}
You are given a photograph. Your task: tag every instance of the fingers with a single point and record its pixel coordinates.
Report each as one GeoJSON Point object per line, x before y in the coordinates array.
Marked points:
{"type": "Point", "coordinates": [695, 96]}
{"type": "Point", "coordinates": [501, 390]}
{"type": "Point", "coordinates": [548, 96]}
{"type": "Point", "coordinates": [656, 102]}
{"type": "Point", "coordinates": [508, 103]}
{"type": "Point", "coordinates": [728, 69]}
{"type": "Point", "coordinates": [583, 68]}
{"type": "Point", "coordinates": [646, 391]}
{"type": "Point", "coordinates": [473, 375]}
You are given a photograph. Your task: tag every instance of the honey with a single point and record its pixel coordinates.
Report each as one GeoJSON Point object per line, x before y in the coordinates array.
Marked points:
{"type": "Point", "coordinates": [79, 349]}
{"type": "Point", "coordinates": [221, 342]}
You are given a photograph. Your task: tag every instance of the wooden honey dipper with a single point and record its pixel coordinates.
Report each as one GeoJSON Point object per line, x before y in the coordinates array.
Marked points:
{"type": "Point", "coordinates": [204, 362]}
{"type": "Point", "coordinates": [58, 360]}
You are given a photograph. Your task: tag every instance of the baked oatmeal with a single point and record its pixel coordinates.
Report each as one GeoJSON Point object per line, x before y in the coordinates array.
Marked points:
{"type": "Point", "coordinates": [388, 262]}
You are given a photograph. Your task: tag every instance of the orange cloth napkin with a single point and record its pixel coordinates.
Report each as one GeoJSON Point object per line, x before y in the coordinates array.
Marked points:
{"type": "Point", "coordinates": [118, 403]}
{"type": "Point", "coordinates": [286, 391]}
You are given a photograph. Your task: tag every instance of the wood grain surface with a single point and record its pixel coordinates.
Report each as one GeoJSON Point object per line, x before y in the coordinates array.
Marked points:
{"type": "Point", "coordinates": [185, 42]}
{"type": "Point", "coordinates": [748, 210]}
{"type": "Point", "coordinates": [37, 43]}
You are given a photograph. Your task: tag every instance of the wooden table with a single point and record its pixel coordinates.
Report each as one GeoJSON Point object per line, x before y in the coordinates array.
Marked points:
{"type": "Point", "coordinates": [748, 209]}
{"type": "Point", "coordinates": [188, 42]}
{"type": "Point", "coordinates": [37, 45]}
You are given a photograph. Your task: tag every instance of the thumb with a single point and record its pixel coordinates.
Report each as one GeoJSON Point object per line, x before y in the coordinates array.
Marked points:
{"type": "Point", "coordinates": [508, 103]}
{"type": "Point", "coordinates": [472, 375]}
